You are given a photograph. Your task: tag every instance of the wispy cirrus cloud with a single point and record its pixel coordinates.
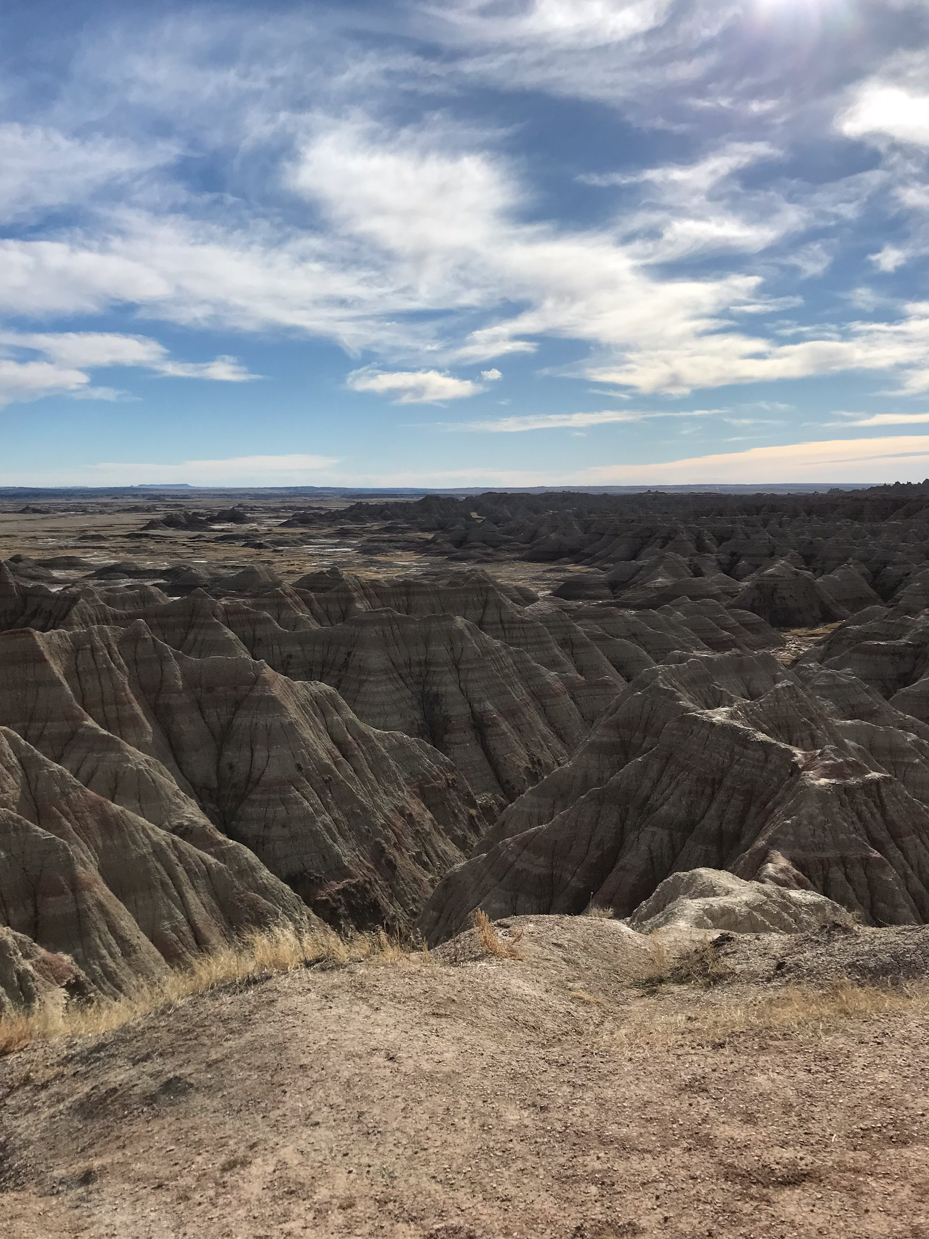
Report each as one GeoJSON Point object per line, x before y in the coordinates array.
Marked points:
{"type": "Point", "coordinates": [414, 225]}
{"type": "Point", "coordinates": [569, 421]}
{"type": "Point", "coordinates": [421, 229]}
{"type": "Point", "coordinates": [882, 419]}
{"type": "Point", "coordinates": [901, 457]}
{"type": "Point", "coordinates": [551, 23]}
{"type": "Point", "coordinates": [95, 349]}
{"type": "Point", "coordinates": [43, 167]}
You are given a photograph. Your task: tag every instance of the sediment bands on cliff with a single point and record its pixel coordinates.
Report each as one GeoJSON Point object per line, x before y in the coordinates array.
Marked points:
{"type": "Point", "coordinates": [188, 753]}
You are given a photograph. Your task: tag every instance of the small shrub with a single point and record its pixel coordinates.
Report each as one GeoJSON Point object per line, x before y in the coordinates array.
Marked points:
{"type": "Point", "coordinates": [600, 911]}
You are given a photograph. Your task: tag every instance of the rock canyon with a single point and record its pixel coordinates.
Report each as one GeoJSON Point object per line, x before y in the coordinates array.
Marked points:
{"type": "Point", "coordinates": [510, 703]}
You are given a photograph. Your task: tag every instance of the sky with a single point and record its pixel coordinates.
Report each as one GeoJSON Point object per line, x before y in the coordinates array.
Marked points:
{"type": "Point", "coordinates": [464, 242]}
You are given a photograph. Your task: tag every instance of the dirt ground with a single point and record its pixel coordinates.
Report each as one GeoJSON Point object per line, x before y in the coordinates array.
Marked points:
{"type": "Point", "coordinates": [108, 531]}
{"type": "Point", "coordinates": [476, 1098]}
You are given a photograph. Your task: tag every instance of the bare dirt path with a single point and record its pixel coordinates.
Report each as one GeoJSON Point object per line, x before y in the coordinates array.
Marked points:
{"type": "Point", "coordinates": [489, 1098]}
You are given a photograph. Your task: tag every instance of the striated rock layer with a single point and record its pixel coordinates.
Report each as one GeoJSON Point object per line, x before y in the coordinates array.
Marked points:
{"type": "Point", "coordinates": [182, 761]}
{"type": "Point", "coordinates": [722, 761]}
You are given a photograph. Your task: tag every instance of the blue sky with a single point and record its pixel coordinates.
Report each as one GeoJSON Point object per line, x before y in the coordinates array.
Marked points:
{"type": "Point", "coordinates": [464, 243]}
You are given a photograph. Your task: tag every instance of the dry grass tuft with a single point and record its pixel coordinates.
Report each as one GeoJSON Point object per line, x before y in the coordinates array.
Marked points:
{"type": "Point", "coordinates": [490, 941]}
{"type": "Point", "coordinates": [591, 1000]}
{"type": "Point", "coordinates": [256, 957]}
{"type": "Point", "coordinates": [15, 1033]}
{"type": "Point", "coordinates": [793, 1007]}
{"type": "Point", "coordinates": [701, 966]}
{"type": "Point", "coordinates": [600, 911]}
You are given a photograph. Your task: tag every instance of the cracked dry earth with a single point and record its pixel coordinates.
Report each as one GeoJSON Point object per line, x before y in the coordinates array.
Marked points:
{"type": "Point", "coordinates": [469, 1099]}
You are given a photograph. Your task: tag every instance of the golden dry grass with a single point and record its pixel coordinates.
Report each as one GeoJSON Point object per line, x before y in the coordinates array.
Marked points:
{"type": "Point", "coordinates": [590, 1000]}
{"type": "Point", "coordinates": [280, 949]}
{"type": "Point", "coordinates": [788, 1008]}
{"type": "Point", "coordinates": [490, 941]}
{"type": "Point", "coordinates": [599, 911]}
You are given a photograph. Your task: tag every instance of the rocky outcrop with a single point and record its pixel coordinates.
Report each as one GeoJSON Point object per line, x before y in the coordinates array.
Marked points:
{"type": "Point", "coordinates": [714, 899]}
{"type": "Point", "coordinates": [258, 771]}
{"type": "Point", "coordinates": [789, 598]}
{"type": "Point", "coordinates": [31, 977]}
{"type": "Point", "coordinates": [721, 761]}
{"type": "Point", "coordinates": [504, 720]}
{"type": "Point", "coordinates": [887, 649]}
{"type": "Point", "coordinates": [83, 876]}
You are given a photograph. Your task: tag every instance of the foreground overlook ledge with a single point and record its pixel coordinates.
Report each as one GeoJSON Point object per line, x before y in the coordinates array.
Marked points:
{"type": "Point", "coordinates": [561, 1095]}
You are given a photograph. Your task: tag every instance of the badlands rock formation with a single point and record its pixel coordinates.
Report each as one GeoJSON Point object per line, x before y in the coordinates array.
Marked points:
{"type": "Point", "coordinates": [726, 761]}
{"type": "Point", "coordinates": [713, 899]}
{"type": "Point", "coordinates": [192, 750]}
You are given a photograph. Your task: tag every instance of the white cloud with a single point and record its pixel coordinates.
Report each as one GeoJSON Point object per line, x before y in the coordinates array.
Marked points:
{"type": "Point", "coordinates": [291, 470]}
{"type": "Point", "coordinates": [41, 167]}
{"type": "Point", "coordinates": [31, 380]}
{"type": "Point", "coordinates": [90, 349]}
{"type": "Point", "coordinates": [421, 191]}
{"type": "Point", "coordinates": [883, 110]}
{"type": "Point", "coordinates": [568, 421]}
{"type": "Point", "coordinates": [491, 375]}
{"type": "Point", "coordinates": [223, 369]}
{"type": "Point", "coordinates": [729, 357]}
{"type": "Point", "coordinates": [113, 395]}
{"type": "Point", "coordinates": [74, 352]}
{"type": "Point", "coordinates": [889, 258]}
{"type": "Point", "coordinates": [553, 23]}
{"type": "Point", "coordinates": [686, 209]}
{"type": "Point", "coordinates": [887, 419]}
{"type": "Point", "coordinates": [412, 386]}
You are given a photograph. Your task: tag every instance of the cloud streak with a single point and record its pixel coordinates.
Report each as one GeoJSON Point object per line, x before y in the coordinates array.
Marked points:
{"type": "Point", "coordinates": [568, 421]}
{"type": "Point", "coordinates": [290, 470]}
{"type": "Point", "coordinates": [904, 457]}
{"type": "Point", "coordinates": [70, 355]}
{"type": "Point", "coordinates": [412, 387]}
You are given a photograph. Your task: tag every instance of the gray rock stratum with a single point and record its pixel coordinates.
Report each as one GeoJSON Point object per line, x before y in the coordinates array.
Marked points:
{"type": "Point", "coordinates": [722, 761]}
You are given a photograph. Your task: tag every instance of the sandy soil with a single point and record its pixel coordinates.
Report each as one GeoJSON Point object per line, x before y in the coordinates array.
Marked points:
{"type": "Point", "coordinates": [532, 1098]}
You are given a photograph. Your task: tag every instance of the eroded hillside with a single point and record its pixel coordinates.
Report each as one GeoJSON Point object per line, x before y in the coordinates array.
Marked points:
{"type": "Point", "coordinates": [192, 750]}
